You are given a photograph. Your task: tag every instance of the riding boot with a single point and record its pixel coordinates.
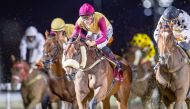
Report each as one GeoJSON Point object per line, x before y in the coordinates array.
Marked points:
{"type": "Point", "coordinates": [118, 69]}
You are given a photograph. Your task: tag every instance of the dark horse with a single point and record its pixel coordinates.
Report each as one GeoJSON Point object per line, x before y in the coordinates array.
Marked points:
{"type": "Point", "coordinates": [143, 79]}
{"type": "Point", "coordinates": [59, 85]}
{"type": "Point", "coordinates": [173, 73]}
{"type": "Point", "coordinates": [93, 77]}
{"type": "Point", "coordinates": [33, 84]}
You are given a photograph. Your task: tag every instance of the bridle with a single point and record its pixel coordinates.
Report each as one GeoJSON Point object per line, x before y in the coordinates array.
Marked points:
{"type": "Point", "coordinates": [53, 57]}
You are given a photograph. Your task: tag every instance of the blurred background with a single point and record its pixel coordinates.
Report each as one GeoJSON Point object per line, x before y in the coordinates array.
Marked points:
{"type": "Point", "coordinates": [127, 17]}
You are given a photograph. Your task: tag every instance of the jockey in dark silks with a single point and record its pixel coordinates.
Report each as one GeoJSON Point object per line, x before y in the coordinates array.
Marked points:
{"type": "Point", "coordinates": [99, 30]}
{"type": "Point", "coordinates": [179, 20]}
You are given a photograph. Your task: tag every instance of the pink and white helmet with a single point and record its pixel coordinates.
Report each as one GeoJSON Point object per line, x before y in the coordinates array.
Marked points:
{"type": "Point", "coordinates": [86, 10]}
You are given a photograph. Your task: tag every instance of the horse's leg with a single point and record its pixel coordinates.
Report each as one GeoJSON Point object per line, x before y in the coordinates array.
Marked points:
{"type": "Point", "coordinates": [99, 95]}
{"type": "Point", "coordinates": [36, 94]}
{"type": "Point", "coordinates": [155, 99]}
{"type": "Point", "coordinates": [122, 98]}
{"type": "Point", "coordinates": [45, 101]}
{"type": "Point", "coordinates": [169, 104]}
{"type": "Point", "coordinates": [33, 103]}
{"type": "Point", "coordinates": [106, 103]}
{"type": "Point", "coordinates": [188, 103]}
{"type": "Point", "coordinates": [180, 105]}
{"type": "Point", "coordinates": [55, 105]}
{"type": "Point", "coordinates": [24, 94]}
{"type": "Point", "coordinates": [54, 101]}
{"type": "Point", "coordinates": [74, 104]}
{"type": "Point", "coordinates": [122, 95]}
{"type": "Point", "coordinates": [180, 99]}
{"type": "Point", "coordinates": [145, 102]}
{"type": "Point", "coordinates": [81, 89]}
{"type": "Point", "coordinates": [39, 106]}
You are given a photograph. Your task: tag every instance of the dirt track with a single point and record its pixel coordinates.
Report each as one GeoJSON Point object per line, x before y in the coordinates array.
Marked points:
{"type": "Point", "coordinates": [15, 101]}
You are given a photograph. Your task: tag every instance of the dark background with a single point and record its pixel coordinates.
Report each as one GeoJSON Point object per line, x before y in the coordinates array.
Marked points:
{"type": "Point", "coordinates": [126, 16]}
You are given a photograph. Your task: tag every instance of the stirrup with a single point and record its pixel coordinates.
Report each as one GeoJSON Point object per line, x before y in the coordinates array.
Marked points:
{"type": "Point", "coordinates": [118, 74]}
{"type": "Point", "coordinates": [119, 77]}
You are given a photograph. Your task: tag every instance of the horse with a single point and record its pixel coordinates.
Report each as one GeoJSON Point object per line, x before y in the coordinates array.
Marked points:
{"type": "Point", "coordinates": [59, 85]}
{"type": "Point", "coordinates": [173, 73]}
{"type": "Point", "coordinates": [143, 78]}
{"type": "Point", "coordinates": [93, 76]}
{"type": "Point", "coordinates": [33, 84]}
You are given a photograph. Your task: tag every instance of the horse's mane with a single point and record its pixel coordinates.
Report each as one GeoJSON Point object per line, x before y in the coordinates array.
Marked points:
{"type": "Point", "coordinates": [52, 43]}
{"type": "Point", "coordinates": [91, 51]}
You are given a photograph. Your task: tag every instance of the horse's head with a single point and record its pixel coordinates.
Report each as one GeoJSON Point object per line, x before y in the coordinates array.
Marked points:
{"type": "Point", "coordinates": [20, 71]}
{"type": "Point", "coordinates": [52, 55]}
{"type": "Point", "coordinates": [75, 57]}
{"type": "Point", "coordinates": [166, 41]}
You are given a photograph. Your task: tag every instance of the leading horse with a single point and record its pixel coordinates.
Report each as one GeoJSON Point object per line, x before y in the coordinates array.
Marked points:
{"type": "Point", "coordinates": [93, 76]}
{"type": "Point", "coordinates": [173, 73]}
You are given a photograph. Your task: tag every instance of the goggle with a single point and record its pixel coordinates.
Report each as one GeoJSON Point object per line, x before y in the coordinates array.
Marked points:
{"type": "Point", "coordinates": [171, 20]}
{"type": "Point", "coordinates": [86, 17]}
{"type": "Point", "coordinates": [53, 34]}
{"type": "Point", "coordinates": [31, 36]}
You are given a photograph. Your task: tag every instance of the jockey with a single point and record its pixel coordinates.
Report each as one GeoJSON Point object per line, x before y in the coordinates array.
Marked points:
{"type": "Point", "coordinates": [61, 30]}
{"type": "Point", "coordinates": [99, 30]}
{"type": "Point", "coordinates": [144, 43]}
{"type": "Point", "coordinates": [179, 20]}
{"type": "Point", "coordinates": [31, 46]}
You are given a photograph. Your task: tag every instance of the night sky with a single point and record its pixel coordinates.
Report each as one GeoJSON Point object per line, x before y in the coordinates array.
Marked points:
{"type": "Point", "coordinates": [126, 16]}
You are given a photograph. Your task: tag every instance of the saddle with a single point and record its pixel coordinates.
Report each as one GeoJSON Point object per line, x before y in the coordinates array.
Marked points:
{"type": "Point", "coordinates": [116, 74]}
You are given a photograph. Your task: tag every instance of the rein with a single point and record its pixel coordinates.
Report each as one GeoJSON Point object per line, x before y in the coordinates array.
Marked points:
{"type": "Point", "coordinates": [94, 64]}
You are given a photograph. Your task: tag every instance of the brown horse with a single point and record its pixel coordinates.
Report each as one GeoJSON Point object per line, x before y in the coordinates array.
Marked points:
{"type": "Point", "coordinates": [59, 85]}
{"type": "Point", "coordinates": [33, 84]}
{"type": "Point", "coordinates": [173, 73]}
{"type": "Point", "coordinates": [143, 78]}
{"type": "Point", "coordinates": [94, 78]}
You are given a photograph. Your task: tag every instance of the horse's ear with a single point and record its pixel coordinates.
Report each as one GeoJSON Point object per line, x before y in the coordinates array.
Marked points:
{"type": "Point", "coordinates": [46, 34]}
{"type": "Point", "coordinates": [13, 58]}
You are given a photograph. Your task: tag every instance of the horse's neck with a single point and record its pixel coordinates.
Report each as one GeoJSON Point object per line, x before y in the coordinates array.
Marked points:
{"type": "Point", "coordinates": [31, 75]}
{"type": "Point", "coordinates": [57, 69]}
{"type": "Point", "coordinates": [93, 56]}
{"type": "Point", "coordinates": [176, 57]}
